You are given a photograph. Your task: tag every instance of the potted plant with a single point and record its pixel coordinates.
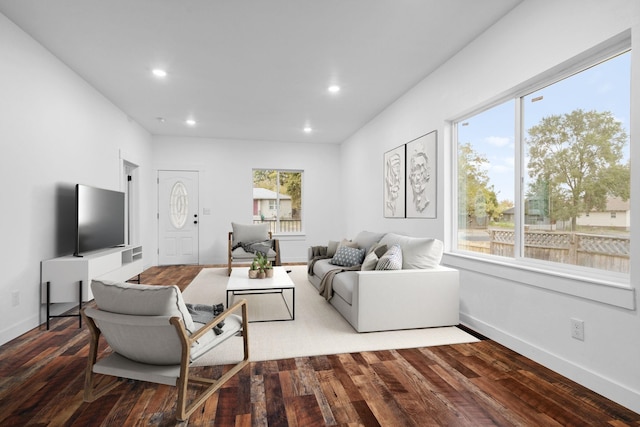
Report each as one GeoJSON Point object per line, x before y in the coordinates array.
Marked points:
{"type": "Point", "coordinates": [253, 270]}
{"type": "Point", "coordinates": [268, 269]}
{"type": "Point", "coordinates": [261, 262]}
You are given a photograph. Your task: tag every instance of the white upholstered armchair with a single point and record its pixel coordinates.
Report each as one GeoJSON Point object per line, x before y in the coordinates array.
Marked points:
{"type": "Point", "coordinates": [154, 338]}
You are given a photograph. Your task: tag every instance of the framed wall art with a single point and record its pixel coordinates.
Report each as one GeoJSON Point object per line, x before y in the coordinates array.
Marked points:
{"type": "Point", "coordinates": [394, 183]}
{"type": "Point", "coordinates": [421, 186]}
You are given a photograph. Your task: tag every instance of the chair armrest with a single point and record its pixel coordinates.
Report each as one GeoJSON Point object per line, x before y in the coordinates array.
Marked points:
{"type": "Point", "coordinates": [276, 248]}
{"type": "Point", "coordinates": [207, 327]}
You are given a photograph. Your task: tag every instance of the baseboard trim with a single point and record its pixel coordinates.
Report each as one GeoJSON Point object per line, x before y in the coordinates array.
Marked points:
{"type": "Point", "coordinates": [17, 329]}
{"type": "Point", "coordinates": [472, 332]}
{"type": "Point", "coordinates": [619, 393]}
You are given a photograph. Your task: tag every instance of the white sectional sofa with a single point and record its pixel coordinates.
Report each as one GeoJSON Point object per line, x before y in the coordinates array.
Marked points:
{"type": "Point", "coordinates": [421, 294]}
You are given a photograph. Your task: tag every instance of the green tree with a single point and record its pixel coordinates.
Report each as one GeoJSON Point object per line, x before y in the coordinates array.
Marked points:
{"type": "Point", "coordinates": [265, 178]}
{"type": "Point", "coordinates": [291, 182]}
{"type": "Point", "coordinates": [578, 157]}
{"type": "Point", "coordinates": [478, 200]}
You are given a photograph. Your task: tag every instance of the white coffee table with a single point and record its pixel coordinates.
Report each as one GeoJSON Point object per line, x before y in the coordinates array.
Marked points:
{"type": "Point", "coordinates": [240, 284]}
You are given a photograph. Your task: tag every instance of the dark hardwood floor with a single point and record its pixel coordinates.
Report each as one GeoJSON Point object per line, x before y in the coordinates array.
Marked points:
{"type": "Point", "coordinates": [479, 384]}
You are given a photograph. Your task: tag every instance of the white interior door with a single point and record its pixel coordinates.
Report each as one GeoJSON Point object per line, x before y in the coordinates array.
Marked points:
{"type": "Point", "coordinates": [178, 217]}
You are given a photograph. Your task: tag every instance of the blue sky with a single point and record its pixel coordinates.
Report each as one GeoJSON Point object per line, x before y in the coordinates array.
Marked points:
{"type": "Point", "coordinates": [605, 87]}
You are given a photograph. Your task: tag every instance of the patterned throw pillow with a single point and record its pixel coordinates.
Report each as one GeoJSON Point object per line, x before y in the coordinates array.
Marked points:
{"type": "Point", "coordinates": [347, 257]}
{"type": "Point", "coordinates": [391, 260]}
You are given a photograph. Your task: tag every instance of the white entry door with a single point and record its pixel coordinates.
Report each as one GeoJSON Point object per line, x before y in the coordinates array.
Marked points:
{"type": "Point", "coordinates": [178, 217]}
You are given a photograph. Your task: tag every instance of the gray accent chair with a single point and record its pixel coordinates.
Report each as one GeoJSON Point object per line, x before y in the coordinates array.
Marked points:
{"type": "Point", "coordinates": [155, 339]}
{"type": "Point", "coordinates": [250, 233]}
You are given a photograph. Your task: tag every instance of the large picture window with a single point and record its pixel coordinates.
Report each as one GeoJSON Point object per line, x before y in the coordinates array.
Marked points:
{"type": "Point", "coordinates": [277, 199]}
{"type": "Point", "coordinates": [545, 176]}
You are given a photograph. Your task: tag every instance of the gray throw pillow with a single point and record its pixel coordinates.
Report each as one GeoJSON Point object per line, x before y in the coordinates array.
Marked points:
{"type": "Point", "coordinates": [391, 260]}
{"type": "Point", "coordinates": [347, 257]}
{"type": "Point", "coordinates": [379, 249]}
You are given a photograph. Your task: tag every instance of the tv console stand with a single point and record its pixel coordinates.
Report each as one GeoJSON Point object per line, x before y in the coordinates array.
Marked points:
{"type": "Point", "coordinates": [68, 278]}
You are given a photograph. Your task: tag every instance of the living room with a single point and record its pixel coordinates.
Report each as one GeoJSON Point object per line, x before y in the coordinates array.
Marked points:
{"type": "Point", "coordinates": [58, 130]}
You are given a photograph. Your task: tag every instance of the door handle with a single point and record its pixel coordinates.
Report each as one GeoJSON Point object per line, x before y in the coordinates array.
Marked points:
{"type": "Point", "coordinates": [195, 222]}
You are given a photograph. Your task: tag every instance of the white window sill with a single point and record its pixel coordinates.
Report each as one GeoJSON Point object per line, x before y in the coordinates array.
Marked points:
{"type": "Point", "coordinates": [613, 291]}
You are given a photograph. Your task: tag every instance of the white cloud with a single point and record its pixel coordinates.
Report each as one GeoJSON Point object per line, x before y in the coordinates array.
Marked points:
{"type": "Point", "coordinates": [498, 141]}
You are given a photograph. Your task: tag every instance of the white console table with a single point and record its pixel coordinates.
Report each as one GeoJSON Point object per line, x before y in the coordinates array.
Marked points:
{"type": "Point", "coordinates": [68, 278]}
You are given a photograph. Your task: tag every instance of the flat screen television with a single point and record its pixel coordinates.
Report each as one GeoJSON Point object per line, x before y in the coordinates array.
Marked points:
{"type": "Point", "coordinates": [100, 219]}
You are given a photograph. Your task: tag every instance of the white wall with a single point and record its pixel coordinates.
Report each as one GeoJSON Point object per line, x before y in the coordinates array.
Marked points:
{"type": "Point", "coordinates": [56, 131]}
{"type": "Point", "coordinates": [534, 38]}
{"type": "Point", "coordinates": [225, 174]}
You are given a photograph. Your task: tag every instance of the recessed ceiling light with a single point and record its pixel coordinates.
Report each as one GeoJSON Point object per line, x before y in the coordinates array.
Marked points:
{"type": "Point", "coordinates": [190, 122]}
{"type": "Point", "coordinates": [159, 72]}
{"type": "Point", "coordinates": [334, 89]}
{"type": "Point", "coordinates": [307, 129]}
{"type": "Point", "coordinates": [160, 119]}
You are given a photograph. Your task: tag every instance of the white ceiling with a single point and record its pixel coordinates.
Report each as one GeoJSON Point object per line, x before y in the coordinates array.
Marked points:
{"type": "Point", "coordinates": [254, 69]}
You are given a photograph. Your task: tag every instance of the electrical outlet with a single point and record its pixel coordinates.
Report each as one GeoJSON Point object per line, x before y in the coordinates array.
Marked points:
{"type": "Point", "coordinates": [15, 298]}
{"type": "Point", "coordinates": [577, 329]}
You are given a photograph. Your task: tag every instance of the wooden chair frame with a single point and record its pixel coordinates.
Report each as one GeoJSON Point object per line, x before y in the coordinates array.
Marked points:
{"type": "Point", "coordinates": [183, 410]}
{"type": "Point", "coordinates": [230, 263]}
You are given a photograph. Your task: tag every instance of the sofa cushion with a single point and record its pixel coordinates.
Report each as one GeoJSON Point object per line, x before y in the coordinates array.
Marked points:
{"type": "Point", "coordinates": [343, 285]}
{"type": "Point", "coordinates": [248, 233]}
{"type": "Point", "coordinates": [370, 262]}
{"type": "Point", "coordinates": [332, 247]}
{"type": "Point", "coordinates": [322, 267]}
{"type": "Point", "coordinates": [347, 257]}
{"type": "Point", "coordinates": [391, 260]}
{"type": "Point", "coordinates": [417, 252]}
{"type": "Point", "coordinates": [366, 239]}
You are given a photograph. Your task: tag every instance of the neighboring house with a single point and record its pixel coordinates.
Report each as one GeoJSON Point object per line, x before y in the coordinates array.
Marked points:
{"type": "Point", "coordinates": [616, 214]}
{"type": "Point", "coordinates": [265, 204]}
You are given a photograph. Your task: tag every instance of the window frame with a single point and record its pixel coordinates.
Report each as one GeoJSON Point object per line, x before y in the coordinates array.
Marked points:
{"type": "Point", "coordinates": [599, 285]}
{"type": "Point", "coordinates": [278, 231]}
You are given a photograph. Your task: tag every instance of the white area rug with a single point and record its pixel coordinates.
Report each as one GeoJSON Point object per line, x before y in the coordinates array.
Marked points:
{"type": "Point", "coordinates": [318, 329]}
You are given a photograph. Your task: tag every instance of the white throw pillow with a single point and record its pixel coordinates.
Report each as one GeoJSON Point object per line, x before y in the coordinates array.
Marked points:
{"type": "Point", "coordinates": [370, 262]}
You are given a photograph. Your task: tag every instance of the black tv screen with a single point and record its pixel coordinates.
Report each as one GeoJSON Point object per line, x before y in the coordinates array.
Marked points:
{"type": "Point", "coordinates": [100, 219]}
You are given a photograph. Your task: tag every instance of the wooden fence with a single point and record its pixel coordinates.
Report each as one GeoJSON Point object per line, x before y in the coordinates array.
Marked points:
{"type": "Point", "coordinates": [609, 253]}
